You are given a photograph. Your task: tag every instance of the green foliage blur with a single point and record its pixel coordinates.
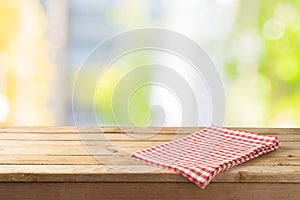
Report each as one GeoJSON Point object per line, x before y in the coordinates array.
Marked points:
{"type": "Point", "coordinates": [113, 107]}
{"type": "Point", "coordinates": [261, 68]}
{"type": "Point", "coordinates": [265, 62]}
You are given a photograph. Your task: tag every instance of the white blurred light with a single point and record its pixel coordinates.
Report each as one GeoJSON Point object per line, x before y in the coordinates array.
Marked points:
{"type": "Point", "coordinates": [273, 29]}
{"type": "Point", "coordinates": [285, 12]}
{"type": "Point", "coordinates": [285, 119]}
{"type": "Point", "coordinates": [4, 108]}
{"type": "Point", "coordinates": [169, 103]}
{"type": "Point", "coordinates": [248, 47]}
{"type": "Point", "coordinates": [225, 1]}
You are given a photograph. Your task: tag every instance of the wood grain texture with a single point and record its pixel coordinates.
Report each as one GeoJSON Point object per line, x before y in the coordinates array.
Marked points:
{"type": "Point", "coordinates": [268, 160]}
{"type": "Point", "coordinates": [5, 137]}
{"type": "Point", "coordinates": [107, 129]}
{"type": "Point", "coordinates": [59, 154]}
{"type": "Point", "coordinates": [112, 191]}
{"type": "Point", "coordinates": [55, 163]}
{"type": "Point", "coordinates": [139, 173]}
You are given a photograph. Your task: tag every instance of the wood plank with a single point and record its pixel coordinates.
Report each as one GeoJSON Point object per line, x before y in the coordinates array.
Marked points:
{"type": "Point", "coordinates": [142, 144]}
{"type": "Point", "coordinates": [139, 173]}
{"type": "Point", "coordinates": [123, 160]}
{"type": "Point", "coordinates": [108, 136]}
{"type": "Point", "coordinates": [63, 150]}
{"type": "Point", "coordinates": [148, 130]}
{"type": "Point", "coordinates": [112, 150]}
{"type": "Point", "coordinates": [58, 155]}
{"type": "Point", "coordinates": [95, 129]}
{"type": "Point", "coordinates": [59, 160]}
{"type": "Point", "coordinates": [87, 136]}
{"type": "Point", "coordinates": [39, 149]}
{"type": "Point", "coordinates": [79, 148]}
{"type": "Point", "coordinates": [159, 191]}
{"type": "Point", "coordinates": [46, 144]}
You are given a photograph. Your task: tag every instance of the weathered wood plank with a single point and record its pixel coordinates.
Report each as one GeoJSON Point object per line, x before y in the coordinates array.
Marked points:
{"type": "Point", "coordinates": [266, 160]}
{"type": "Point", "coordinates": [74, 150]}
{"type": "Point", "coordinates": [57, 154]}
{"type": "Point", "coordinates": [146, 191]}
{"type": "Point", "coordinates": [59, 160]}
{"type": "Point", "coordinates": [94, 147]}
{"type": "Point", "coordinates": [90, 129]}
{"type": "Point", "coordinates": [87, 136]}
{"type": "Point", "coordinates": [46, 144]}
{"type": "Point", "coordinates": [80, 144]}
{"type": "Point", "coordinates": [139, 173]}
{"type": "Point", "coordinates": [108, 136]}
{"type": "Point", "coordinates": [159, 191]}
{"type": "Point", "coordinates": [141, 130]}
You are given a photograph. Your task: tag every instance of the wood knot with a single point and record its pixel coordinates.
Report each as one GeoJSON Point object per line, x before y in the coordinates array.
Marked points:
{"type": "Point", "coordinates": [242, 176]}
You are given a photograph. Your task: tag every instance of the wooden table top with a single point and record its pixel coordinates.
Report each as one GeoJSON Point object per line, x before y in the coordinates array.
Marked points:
{"type": "Point", "coordinates": [61, 154]}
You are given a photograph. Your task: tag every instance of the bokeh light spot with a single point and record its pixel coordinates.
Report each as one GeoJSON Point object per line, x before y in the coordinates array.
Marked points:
{"type": "Point", "coordinates": [287, 69]}
{"type": "Point", "coordinates": [285, 12]}
{"type": "Point", "coordinates": [273, 29]}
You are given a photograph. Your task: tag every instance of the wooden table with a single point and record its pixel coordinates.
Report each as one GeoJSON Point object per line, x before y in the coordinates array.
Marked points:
{"type": "Point", "coordinates": [55, 163]}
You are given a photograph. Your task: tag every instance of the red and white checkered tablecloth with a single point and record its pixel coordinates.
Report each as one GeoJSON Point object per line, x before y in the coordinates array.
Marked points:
{"type": "Point", "coordinates": [200, 156]}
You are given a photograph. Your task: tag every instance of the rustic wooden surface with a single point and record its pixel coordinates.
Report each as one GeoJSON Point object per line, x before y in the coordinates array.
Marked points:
{"type": "Point", "coordinates": [54, 163]}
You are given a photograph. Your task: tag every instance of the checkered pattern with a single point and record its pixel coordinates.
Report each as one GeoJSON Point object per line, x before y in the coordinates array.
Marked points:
{"type": "Point", "coordinates": [200, 156]}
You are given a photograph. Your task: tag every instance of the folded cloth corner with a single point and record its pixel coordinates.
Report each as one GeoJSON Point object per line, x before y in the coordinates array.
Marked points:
{"type": "Point", "coordinates": [200, 156]}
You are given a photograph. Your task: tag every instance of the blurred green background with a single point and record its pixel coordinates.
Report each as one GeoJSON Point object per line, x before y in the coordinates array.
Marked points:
{"type": "Point", "coordinates": [254, 43]}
